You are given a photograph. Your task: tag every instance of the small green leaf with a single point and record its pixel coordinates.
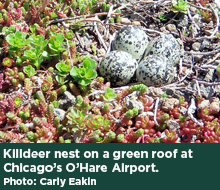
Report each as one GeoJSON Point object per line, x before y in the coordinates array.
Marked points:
{"type": "Point", "coordinates": [162, 17]}
{"type": "Point", "coordinates": [90, 64]}
{"type": "Point", "coordinates": [30, 54]}
{"type": "Point", "coordinates": [55, 104]}
{"type": "Point", "coordinates": [70, 35]}
{"type": "Point", "coordinates": [91, 74]}
{"type": "Point", "coordinates": [82, 72]}
{"type": "Point", "coordinates": [46, 55]}
{"type": "Point", "coordinates": [86, 64]}
{"type": "Point", "coordinates": [38, 62]}
{"type": "Point", "coordinates": [33, 29]}
{"type": "Point", "coordinates": [61, 80]}
{"type": "Point", "coordinates": [29, 71]}
{"type": "Point", "coordinates": [18, 102]}
{"type": "Point", "coordinates": [74, 72]}
{"type": "Point", "coordinates": [60, 37]}
{"type": "Point", "coordinates": [54, 15]}
{"type": "Point", "coordinates": [109, 94]}
{"type": "Point", "coordinates": [164, 95]}
{"type": "Point", "coordinates": [8, 30]}
{"type": "Point", "coordinates": [62, 74]}
{"type": "Point", "coordinates": [63, 68]}
{"type": "Point", "coordinates": [180, 6]}
{"type": "Point", "coordinates": [85, 82]}
{"type": "Point", "coordinates": [37, 40]}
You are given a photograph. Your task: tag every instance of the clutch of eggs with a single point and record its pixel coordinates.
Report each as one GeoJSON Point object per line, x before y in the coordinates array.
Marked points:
{"type": "Point", "coordinates": [153, 62]}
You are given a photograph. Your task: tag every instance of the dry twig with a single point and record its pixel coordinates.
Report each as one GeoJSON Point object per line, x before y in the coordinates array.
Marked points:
{"type": "Point", "coordinates": [198, 88]}
{"type": "Point", "coordinates": [217, 21]}
{"type": "Point", "coordinates": [207, 83]}
{"type": "Point", "coordinates": [155, 111]}
{"type": "Point", "coordinates": [214, 58]}
{"type": "Point", "coordinates": [209, 67]}
{"type": "Point", "coordinates": [100, 37]}
{"type": "Point", "coordinates": [191, 111]}
{"type": "Point", "coordinates": [199, 7]}
{"type": "Point", "coordinates": [203, 53]}
{"type": "Point", "coordinates": [40, 10]}
{"type": "Point", "coordinates": [69, 52]}
{"type": "Point", "coordinates": [81, 16]}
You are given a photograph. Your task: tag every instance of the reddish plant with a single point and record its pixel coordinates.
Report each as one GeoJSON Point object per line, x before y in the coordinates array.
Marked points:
{"type": "Point", "coordinates": [133, 136]}
{"type": "Point", "coordinates": [175, 113]}
{"type": "Point", "coordinates": [188, 128]}
{"type": "Point", "coordinates": [144, 122]}
{"type": "Point", "coordinates": [199, 99]}
{"type": "Point", "coordinates": [148, 104]}
{"type": "Point", "coordinates": [211, 137]}
{"type": "Point", "coordinates": [3, 118]}
{"type": "Point", "coordinates": [205, 114]}
{"type": "Point", "coordinates": [127, 121]}
{"type": "Point", "coordinates": [171, 137]}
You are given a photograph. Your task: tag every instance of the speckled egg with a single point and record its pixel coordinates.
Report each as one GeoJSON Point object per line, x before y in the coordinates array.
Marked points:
{"type": "Point", "coordinates": [133, 40]}
{"type": "Point", "coordinates": [155, 70]}
{"type": "Point", "coordinates": [118, 67]}
{"type": "Point", "coordinates": [167, 46]}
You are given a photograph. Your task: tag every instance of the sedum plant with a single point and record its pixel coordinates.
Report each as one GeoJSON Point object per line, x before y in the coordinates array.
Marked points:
{"type": "Point", "coordinates": [109, 94]}
{"type": "Point", "coordinates": [56, 43]}
{"type": "Point", "coordinates": [8, 30]}
{"type": "Point", "coordinates": [38, 53]}
{"type": "Point", "coordinates": [18, 102]}
{"type": "Point", "coordinates": [29, 71]}
{"type": "Point", "coordinates": [76, 118]}
{"type": "Point", "coordinates": [180, 6]}
{"type": "Point", "coordinates": [62, 71]}
{"type": "Point", "coordinates": [17, 41]}
{"type": "Point", "coordinates": [98, 121]}
{"type": "Point", "coordinates": [7, 62]}
{"type": "Point", "coordinates": [86, 73]}
{"type": "Point", "coordinates": [36, 56]}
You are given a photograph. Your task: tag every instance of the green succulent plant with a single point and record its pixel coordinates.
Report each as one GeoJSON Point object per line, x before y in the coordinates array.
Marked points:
{"type": "Point", "coordinates": [76, 118]}
{"type": "Point", "coordinates": [180, 6]}
{"type": "Point", "coordinates": [56, 43]}
{"type": "Point", "coordinates": [17, 41]}
{"type": "Point", "coordinates": [86, 73]}
{"type": "Point", "coordinates": [98, 121]}
{"type": "Point", "coordinates": [109, 94]}
{"type": "Point", "coordinates": [29, 71]}
{"type": "Point", "coordinates": [62, 71]}
{"type": "Point", "coordinates": [36, 56]}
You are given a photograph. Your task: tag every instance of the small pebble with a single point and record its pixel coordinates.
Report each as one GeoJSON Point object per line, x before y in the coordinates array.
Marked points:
{"type": "Point", "coordinates": [172, 125]}
{"type": "Point", "coordinates": [101, 53]}
{"type": "Point", "coordinates": [136, 23]}
{"type": "Point", "coordinates": [59, 113]}
{"type": "Point", "coordinates": [196, 46]}
{"type": "Point", "coordinates": [203, 104]}
{"type": "Point", "coordinates": [67, 100]}
{"type": "Point", "coordinates": [164, 30]}
{"type": "Point", "coordinates": [214, 106]}
{"type": "Point", "coordinates": [155, 92]}
{"type": "Point", "coordinates": [183, 21]}
{"type": "Point", "coordinates": [125, 21]}
{"type": "Point", "coordinates": [171, 28]}
{"type": "Point", "coordinates": [169, 103]}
